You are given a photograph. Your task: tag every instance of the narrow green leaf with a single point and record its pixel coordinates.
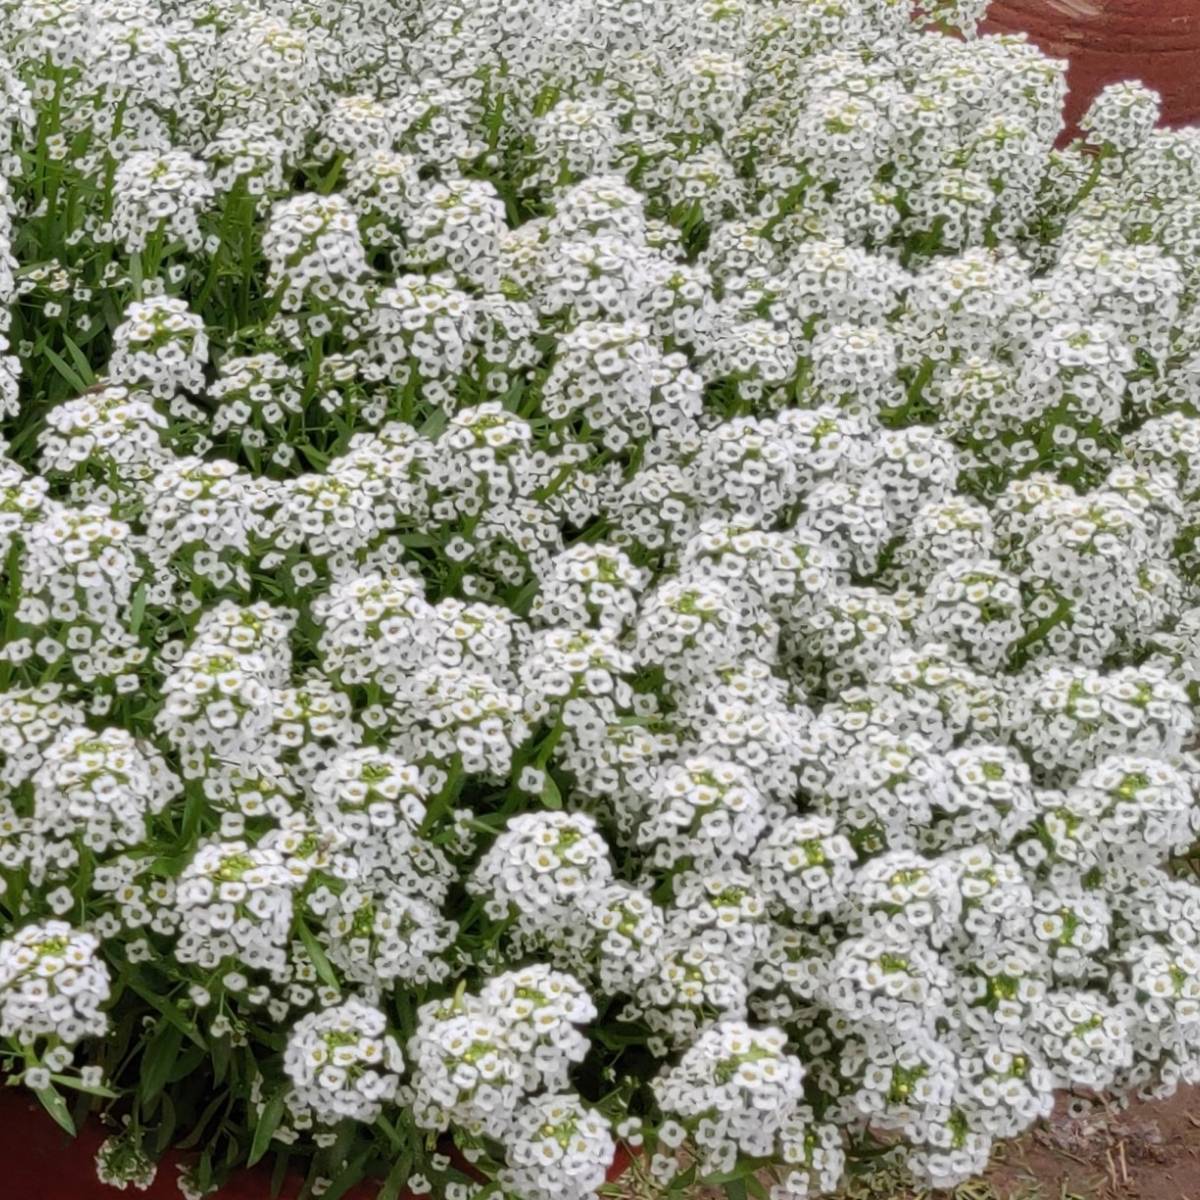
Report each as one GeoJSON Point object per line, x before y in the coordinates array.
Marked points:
{"type": "Point", "coordinates": [279, 1173]}
{"type": "Point", "coordinates": [186, 1063]}
{"type": "Point", "coordinates": [92, 1089]}
{"type": "Point", "coordinates": [65, 369]}
{"type": "Point", "coordinates": [82, 366]}
{"type": "Point", "coordinates": [137, 609]}
{"type": "Point", "coordinates": [90, 333]}
{"type": "Point", "coordinates": [199, 1127]}
{"type": "Point", "coordinates": [264, 1131]}
{"type": "Point", "coordinates": [347, 1178]}
{"type": "Point", "coordinates": [165, 1123]}
{"type": "Point", "coordinates": [158, 1060]}
{"type": "Point", "coordinates": [221, 1052]}
{"type": "Point", "coordinates": [397, 1177]}
{"type": "Point", "coordinates": [551, 796]}
{"type": "Point", "coordinates": [384, 1126]}
{"type": "Point", "coordinates": [615, 1040]}
{"type": "Point", "coordinates": [317, 954]}
{"type": "Point", "coordinates": [193, 810]}
{"type": "Point", "coordinates": [434, 423]}
{"type": "Point", "coordinates": [203, 1174]}
{"type": "Point", "coordinates": [315, 457]}
{"type": "Point", "coordinates": [330, 181]}
{"type": "Point", "coordinates": [169, 1010]}
{"type": "Point", "coordinates": [746, 1166]}
{"type": "Point", "coordinates": [56, 1106]}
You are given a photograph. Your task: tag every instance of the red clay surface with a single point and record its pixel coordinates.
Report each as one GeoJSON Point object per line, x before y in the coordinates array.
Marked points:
{"type": "Point", "coordinates": [1148, 1151]}
{"type": "Point", "coordinates": [1156, 41]}
{"type": "Point", "coordinates": [38, 1161]}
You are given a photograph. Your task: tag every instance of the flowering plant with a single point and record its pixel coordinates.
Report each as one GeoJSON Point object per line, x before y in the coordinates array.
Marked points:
{"type": "Point", "coordinates": [589, 572]}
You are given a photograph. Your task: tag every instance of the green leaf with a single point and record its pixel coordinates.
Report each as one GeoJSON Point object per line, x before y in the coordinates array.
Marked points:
{"type": "Point", "coordinates": [186, 1063]}
{"type": "Point", "coordinates": [434, 423]}
{"type": "Point", "coordinates": [92, 1089]}
{"type": "Point", "coordinates": [193, 809]}
{"type": "Point", "coordinates": [90, 333]}
{"type": "Point", "coordinates": [330, 181]}
{"type": "Point", "coordinates": [221, 1053]}
{"type": "Point", "coordinates": [744, 1167]}
{"type": "Point", "coordinates": [65, 370]}
{"type": "Point", "coordinates": [314, 457]}
{"type": "Point", "coordinates": [198, 1128]}
{"type": "Point", "coordinates": [397, 1177]}
{"type": "Point", "coordinates": [158, 1061]}
{"type": "Point", "coordinates": [347, 1178]}
{"type": "Point", "coordinates": [264, 1131]}
{"type": "Point", "coordinates": [615, 1040]}
{"type": "Point", "coordinates": [165, 1124]}
{"type": "Point", "coordinates": [168, 1010]}
{"type": "Point", "coordinates": [551, 796]}
{"type": "Point", "coordinates": [755, 1187]}
{"type": "Point", "coordinates": [279, 1173]}
{"type": "Point", "coordinates": [56, 1106]}
{"type": "Point", "coordinates": [686, 1179]}
{"type": "Point", "coordinates": [317, 954]}
{"type": "Point", "coordinates": [80, 360]}
{"type": "Point", "coordinates": [137, 609]}
{"type": "Point", "coordinates": [521, 601]}
{"type": "Point", "coordinates": [384, 1126]}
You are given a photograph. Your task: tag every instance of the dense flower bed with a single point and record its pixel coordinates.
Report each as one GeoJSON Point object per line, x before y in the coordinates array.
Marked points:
{"type": "Point", "coordinates": [589, 572]}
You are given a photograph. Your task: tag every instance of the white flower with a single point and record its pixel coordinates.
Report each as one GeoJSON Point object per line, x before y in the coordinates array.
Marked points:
{"type": "Point", "coordinates": [342, 1063]}
{"type": "Point", "coordinates": [591, 533]}
{"type": "Point", "coordinates": [736, 1090]}
{"type": "Point", "coordinates": [557, 1147]}
{"type": "Point", "coordinates": [52, 984]}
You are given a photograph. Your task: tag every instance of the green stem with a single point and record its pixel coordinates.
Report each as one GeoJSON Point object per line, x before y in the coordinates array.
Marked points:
{"type": "Point", "coordinates": [442, 803]}
{"type": "Point", "coordinates": [1020, 649]}
{"type": "Point", "coordinates": [228, 218]}
{"type": "Point", "coordinates": [1090, 183]}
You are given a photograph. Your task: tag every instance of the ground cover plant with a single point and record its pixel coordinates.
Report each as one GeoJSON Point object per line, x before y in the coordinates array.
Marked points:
{"type": "Point", "coordinates": [614, 571]}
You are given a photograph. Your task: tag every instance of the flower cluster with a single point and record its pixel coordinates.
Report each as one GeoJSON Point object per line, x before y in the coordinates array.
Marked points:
{"type": "Point", "coordinates": [590, 576]}
{"type": "Point", "coordinates": [53, 984]}
{"type": "Point", "coordinates": [342, 1063]}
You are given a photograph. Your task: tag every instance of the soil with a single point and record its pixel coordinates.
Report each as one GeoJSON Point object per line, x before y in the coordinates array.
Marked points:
{"type": "Point", "coordinates": [1149, 1150]}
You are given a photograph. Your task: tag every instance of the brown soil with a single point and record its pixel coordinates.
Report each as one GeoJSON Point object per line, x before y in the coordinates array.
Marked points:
{"type": "Point", "coordinates": [1148, 1151]}
{"type": "Point", "coordinates": [1087, 1150]}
